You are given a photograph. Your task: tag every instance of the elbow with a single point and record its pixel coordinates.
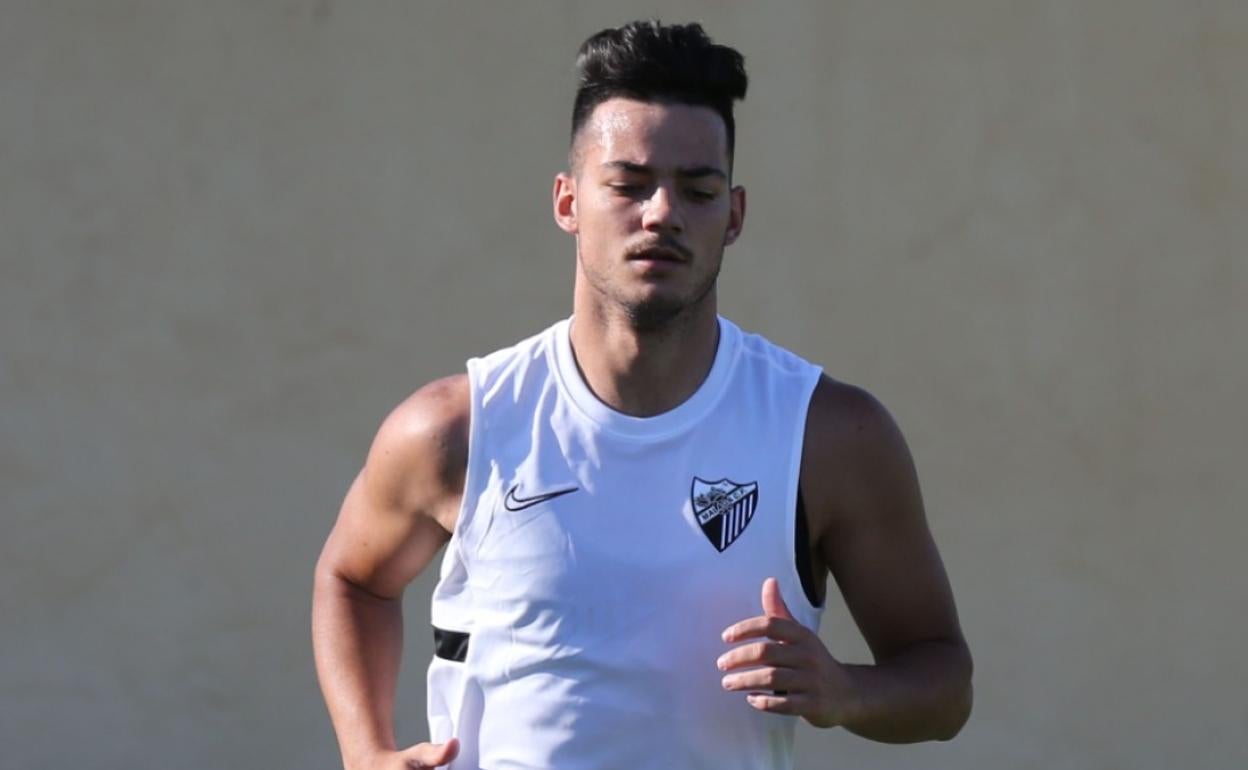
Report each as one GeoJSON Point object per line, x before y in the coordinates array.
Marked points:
{"type": "Point", "coordinates": [960, 700]}
{"type": "Point", "coordinates": [959, 713]}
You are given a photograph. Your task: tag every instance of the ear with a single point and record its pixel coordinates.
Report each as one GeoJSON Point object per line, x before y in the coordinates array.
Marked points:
{"type": "Point", "coordinates": [736, 215]}
{"type": "Point", "coordinates": [565, 202]}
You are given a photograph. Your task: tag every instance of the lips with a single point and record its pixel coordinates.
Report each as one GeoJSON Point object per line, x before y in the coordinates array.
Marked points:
{"type": "Point", "coordinates": [658, 254]}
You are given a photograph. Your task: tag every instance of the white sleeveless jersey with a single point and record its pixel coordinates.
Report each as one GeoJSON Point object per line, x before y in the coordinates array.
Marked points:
{"type": "Point", "coordinates": [598, 557]}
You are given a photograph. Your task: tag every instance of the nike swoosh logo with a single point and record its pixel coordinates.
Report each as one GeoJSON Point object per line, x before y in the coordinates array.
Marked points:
{"type": "Point", "coordinates": [514, 502]}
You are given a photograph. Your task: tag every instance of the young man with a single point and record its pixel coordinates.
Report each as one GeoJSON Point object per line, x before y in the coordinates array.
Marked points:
{"type": "Point", "coordinates": [642, 502]}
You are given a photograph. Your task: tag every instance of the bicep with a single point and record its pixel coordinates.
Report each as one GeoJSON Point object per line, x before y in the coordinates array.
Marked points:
{"type": "Point", "coordinates": [876, 541]}
{"type": "Point", "coordinates": [401, 508]}
{"type": "Point", "coordinates": [377, 546]}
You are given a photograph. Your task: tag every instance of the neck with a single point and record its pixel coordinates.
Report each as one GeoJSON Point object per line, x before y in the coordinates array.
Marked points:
{"type": "Point", "coordinates": [643, 373]}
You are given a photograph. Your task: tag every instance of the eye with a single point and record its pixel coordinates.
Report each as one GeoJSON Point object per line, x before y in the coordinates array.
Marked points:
{"type": "Point", "coordinates": [703, 195]}
{"type": "Point", "coordinates": [627, 189]}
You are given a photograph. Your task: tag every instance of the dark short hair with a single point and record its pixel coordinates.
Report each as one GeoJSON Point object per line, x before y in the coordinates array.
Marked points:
{"type": "Point", "coordinates": [651, 62]}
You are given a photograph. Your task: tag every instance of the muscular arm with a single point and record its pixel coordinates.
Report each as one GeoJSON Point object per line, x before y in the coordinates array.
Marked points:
{"type": "Point", "coordinates": [869, 529]}
{"type": "Point", "coordinates": [397, 515]}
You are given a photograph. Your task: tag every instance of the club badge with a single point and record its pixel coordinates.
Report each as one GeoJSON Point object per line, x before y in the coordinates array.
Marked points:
{"type": "Point", "coordinates": [723, 509]}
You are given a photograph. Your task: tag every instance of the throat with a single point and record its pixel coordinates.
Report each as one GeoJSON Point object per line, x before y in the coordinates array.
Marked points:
{"type": "Point", "coordinates": [643, 374]}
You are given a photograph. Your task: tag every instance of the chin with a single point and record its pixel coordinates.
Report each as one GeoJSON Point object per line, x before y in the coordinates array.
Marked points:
{"type": "Point", "coordinates": [654, 313]}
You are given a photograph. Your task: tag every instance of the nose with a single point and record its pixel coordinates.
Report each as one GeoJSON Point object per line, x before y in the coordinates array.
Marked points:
{"type": "Point", "coordinates": [661, 212]}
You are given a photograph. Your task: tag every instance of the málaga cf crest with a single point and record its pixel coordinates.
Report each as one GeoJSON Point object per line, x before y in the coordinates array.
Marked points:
{"type": "Point", "coordinates": [723, 509]}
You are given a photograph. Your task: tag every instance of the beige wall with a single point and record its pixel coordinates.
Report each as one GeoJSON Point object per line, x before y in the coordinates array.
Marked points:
{"type": "Point", "coordinates": [235, 234]}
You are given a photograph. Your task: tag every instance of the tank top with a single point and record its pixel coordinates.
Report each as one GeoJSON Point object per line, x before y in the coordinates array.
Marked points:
{"type": "Point", "coordinates": [598, 556]}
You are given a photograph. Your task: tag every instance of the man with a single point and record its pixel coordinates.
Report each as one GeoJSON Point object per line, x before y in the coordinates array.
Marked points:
{"type": "Point", "coordinates": [642, 502]}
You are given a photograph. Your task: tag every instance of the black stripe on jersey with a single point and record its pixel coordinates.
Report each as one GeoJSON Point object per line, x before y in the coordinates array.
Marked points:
{"type": "Point", "coordinates": [450, 645]}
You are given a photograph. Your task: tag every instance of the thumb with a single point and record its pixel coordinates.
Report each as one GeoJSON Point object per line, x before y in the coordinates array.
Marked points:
{"type": "Point", "coordinates": [432, 754]}
{"type": "Point", "coordinates": [773, 602]}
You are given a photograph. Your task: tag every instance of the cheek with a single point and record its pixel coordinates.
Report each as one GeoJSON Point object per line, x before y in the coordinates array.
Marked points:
{"type": "Point", "coordinates": [713, 222]}
{"type": "Point", "coordinates": [610, 215]}
{"type": "Point", "coordinates": [601, 230]}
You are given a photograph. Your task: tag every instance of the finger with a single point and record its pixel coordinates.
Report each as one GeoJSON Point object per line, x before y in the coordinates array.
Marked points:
{"type": "Point", "coordinates": [432, 754]}
{"type": "Point", "coordinates": [773, 602]}
{"type": "Point", "coordinates": [780, 629]}
{"type": "Point", "coordinates": [779, 704]}
{"type": "Point", "coordinates": [762, 654]}
{"type": "Point", "coordinates": [769, 680]}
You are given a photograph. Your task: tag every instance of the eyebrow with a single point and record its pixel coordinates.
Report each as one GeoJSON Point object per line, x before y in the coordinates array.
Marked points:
{"type": "Point", "coordinates": [693, 172]}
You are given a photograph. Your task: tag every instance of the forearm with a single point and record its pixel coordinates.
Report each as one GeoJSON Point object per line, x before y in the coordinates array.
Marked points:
{"type": "Point", "coordinates": [921, 694]}
{"type": "Point", "coordinates": [357, 639]}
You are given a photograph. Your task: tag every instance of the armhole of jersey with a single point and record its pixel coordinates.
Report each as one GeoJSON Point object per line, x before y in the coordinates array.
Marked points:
{"type": "Point", "coordinates": [472, 474]}
{"type": "Point", "coordinates": [805, 565]}
{"type": "Point", "coordinates": [793, 507]}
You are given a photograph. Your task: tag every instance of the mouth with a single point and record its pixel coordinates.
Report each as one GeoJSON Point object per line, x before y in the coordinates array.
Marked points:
{"type": "Point", "coordinates": [658, 254]}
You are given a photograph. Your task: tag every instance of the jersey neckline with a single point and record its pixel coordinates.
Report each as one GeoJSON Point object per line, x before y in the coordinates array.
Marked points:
{"type": "Point", "coordinates": [687, 414]}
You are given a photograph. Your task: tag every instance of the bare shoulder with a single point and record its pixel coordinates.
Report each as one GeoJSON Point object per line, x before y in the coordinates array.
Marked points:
{"type": "Point", "coordinates": [847, 423]}
{"type": "Point", "coordinates": [419, 457]}
{"type": "Point", "coordinates": [402, 507]}
{"type": "Point", "coordinates": [853, 451]}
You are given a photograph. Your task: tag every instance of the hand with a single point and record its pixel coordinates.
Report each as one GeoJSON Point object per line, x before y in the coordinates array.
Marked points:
{"type": "Point", "coordinates": [418, 757]}
{"type": "Point", "coordinates": [793, 673]}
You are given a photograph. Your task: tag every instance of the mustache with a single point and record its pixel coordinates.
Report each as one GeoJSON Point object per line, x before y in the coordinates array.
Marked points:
{"type": "Point", "coordinates": [664, 243]}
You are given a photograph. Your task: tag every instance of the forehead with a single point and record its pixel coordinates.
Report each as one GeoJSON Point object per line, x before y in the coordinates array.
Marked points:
{"type": "Point", "coordinates": [662, 135]}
